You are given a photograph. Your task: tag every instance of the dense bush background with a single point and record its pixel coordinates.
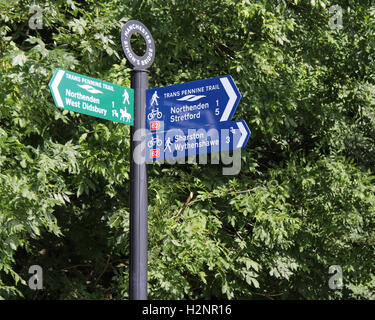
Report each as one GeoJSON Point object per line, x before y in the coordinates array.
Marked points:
{"type": "Point", "coordinates": [303, 201]}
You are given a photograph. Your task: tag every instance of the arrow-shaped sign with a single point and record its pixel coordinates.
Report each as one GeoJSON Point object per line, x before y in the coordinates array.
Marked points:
{"type": "Point", "coordinates": [175, 143]}
{"type": "Point", "coordinates": [98, 98]}
{"type": "Point", "coordinates": [191, 104]}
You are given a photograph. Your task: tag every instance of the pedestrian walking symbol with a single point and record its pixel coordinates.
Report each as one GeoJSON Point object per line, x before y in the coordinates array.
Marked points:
{"type": "Point", "coordinates": [154, 99]}
{"type": "Point", "coordinates": [168, 144]}
{"type": "Point", "coordinates": [126, 97]}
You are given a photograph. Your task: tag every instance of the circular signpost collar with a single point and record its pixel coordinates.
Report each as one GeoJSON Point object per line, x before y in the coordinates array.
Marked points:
{"type": "Point", "coordinates": [131, 27]}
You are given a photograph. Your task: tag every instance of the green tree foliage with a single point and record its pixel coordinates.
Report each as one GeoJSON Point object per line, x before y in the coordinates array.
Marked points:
{"type": "Point", "coordinates": [303, 201]}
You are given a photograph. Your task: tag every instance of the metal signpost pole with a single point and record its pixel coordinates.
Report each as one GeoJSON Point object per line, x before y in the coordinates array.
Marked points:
{"type": "Point", "coordinates": [138, 170]}
{"type": "Point", "coordinates": [138, 193]}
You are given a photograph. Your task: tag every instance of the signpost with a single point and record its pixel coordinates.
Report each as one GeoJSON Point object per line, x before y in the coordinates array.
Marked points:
{"type": "Point", "coordinates": [176, 143]}
{"type": "Point", "coordinates": [93, 97]}
{"type": "Point", "coordinates": [181, 120]}
{"type": "Point", "coordinates": [192, 104]}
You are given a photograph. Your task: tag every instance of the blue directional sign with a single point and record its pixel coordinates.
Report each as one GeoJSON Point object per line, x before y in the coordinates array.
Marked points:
{"type": "Point", "coordinates": [176, 143]}
{"type": "Point", "coordinates": [192, 104]}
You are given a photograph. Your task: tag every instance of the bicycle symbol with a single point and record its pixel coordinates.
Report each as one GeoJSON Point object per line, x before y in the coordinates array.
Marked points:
{"type": "Point", "coordinates": [154, 141]}
{"type": "Point", "coordinates": [154, 113]}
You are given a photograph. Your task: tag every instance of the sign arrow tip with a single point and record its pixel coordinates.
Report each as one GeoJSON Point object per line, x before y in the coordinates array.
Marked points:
{"type": "Point", "coordinates": [54, 87]}
{"type": "Point", "coordinates": [245, 133]}
{"type": "Point", "coordinates": [233, 97]}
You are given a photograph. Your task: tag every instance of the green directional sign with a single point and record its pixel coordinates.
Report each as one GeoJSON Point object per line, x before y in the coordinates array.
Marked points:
{"type": "Point", "coordinates": [98, 98]}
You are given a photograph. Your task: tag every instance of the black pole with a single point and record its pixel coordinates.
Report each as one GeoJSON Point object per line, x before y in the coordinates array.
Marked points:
{"type": "Point", "coordinates": [138, 169]}
{"type": "Point", "coordinates": [138, 193]}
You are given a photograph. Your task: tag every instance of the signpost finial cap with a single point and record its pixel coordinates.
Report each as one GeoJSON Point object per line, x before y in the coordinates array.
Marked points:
{"type": "Point", "coordinates": [145, 61]}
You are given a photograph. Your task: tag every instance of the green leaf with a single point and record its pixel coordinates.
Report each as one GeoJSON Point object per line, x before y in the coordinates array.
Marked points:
{"type": "Point", "coordinates": [19, 59]}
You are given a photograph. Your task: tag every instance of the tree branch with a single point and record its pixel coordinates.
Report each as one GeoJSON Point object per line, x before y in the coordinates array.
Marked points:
{"type": "Point", "coordinates": [185, 205]}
